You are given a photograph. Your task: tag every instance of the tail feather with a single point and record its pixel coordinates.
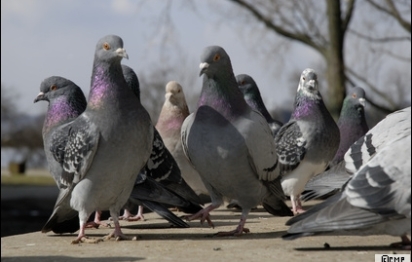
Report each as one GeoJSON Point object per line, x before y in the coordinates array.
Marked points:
{"type": "Point", "coordinates": [165, 213]}
{"type": "Point", "coordinates": [276, 206]}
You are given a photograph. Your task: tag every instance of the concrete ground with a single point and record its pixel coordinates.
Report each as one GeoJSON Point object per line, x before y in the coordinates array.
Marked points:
{"type": "Point", "coordinates": [157, 241]}
{"type": "Point", "coordinates": [25, 209]}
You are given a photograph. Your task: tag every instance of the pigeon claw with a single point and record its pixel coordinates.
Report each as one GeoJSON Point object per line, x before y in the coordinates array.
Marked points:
{"type": "Point", "coordinates": [237, 232]}
{"type": "Point", "coordinates": [86, 240]}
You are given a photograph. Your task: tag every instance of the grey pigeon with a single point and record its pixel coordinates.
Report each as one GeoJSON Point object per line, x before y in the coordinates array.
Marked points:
{"type": "Point", "coordinates": [352, 125]}
{"type": "Point", "coordinates": [231, 145]}
{"type": "Point", "coordinates": [308, 142]}
{"type": "Point", "coordinates": [377, 199]}
{"type": "Point", "coordinates": [252, 96]}
{"type": "Point", "coordinates": [352, 122]}
{"type": "Point", "coordinates": [107, 145]}
{"type": "Point", "coordinates": [169, 124]}
{"type": "Point", "coordinates": [66, 103]}
{"type": "Point", "coordinates": [162, 166]}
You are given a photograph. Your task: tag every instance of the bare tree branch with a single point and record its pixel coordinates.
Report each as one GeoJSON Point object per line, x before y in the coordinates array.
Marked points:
{"type": "Point", "coordinates": [405, 24]}
{"type": "Point", "coordinates": [367, 98]}
{"type": "Point", "coordinates": [392, 12]}
{"type": "Point", "coordinates": [382, 40]}
{"type": "Point", "coordinates": [304, 38]}
{"type": "Point", "coordinates": [346, 20]}
{"type": "Point", "coordinates": [392, 54]}
{"type": "Point", "coordinates": [373, 88]}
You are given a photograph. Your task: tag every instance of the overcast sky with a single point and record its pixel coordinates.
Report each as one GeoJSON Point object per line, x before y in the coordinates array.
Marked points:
{"type": "Point", "coordinates": [41, 38]}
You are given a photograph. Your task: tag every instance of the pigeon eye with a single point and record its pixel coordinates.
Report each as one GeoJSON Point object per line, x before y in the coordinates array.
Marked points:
{"type": "Point", "coordinates": [216, 57]}
{"type": "Point", "coordinates": [53, 87]}
{"type": "Point", "coordinates": [354, 95]}
{"type": "Point", "coordinates": [242, 83]}
{"type": "Point", "coordinates": [304, 78]}
{"type": "Point", "coordinates": [106, 46]}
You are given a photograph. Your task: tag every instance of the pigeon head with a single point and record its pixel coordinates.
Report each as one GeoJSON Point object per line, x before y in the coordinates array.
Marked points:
{"type": "Point", "coordinates": [355, 99]}
{"type": "Point", "coordinates": [131, 80]}
{"type": "Point", "coordinates": [213, 60]}
{"type": "Point", "coordinates": [110, 48]}
{"type": "Point", "coordinates": [66, 101]}
{"type": "Point", "coordinates": [174, 93]}
{"type": "Point", "coordinates": [308, 84]}
{"type": "Point", "coordinates": [56, 86]}
{"type": "Point", "coordinates": [248, 86]}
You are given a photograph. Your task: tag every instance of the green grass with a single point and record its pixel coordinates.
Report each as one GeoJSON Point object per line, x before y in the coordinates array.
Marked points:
{"type": "Point", "coordinates": [24, 180]}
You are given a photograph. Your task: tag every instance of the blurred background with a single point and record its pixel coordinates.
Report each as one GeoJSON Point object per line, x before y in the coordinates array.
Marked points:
{"type": "Point", "coordinates": [364, 43]}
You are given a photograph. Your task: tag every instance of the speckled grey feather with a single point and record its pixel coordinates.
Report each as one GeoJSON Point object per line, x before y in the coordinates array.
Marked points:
{"type": "Point", "coordinates": [352, 125]}
{"type": "Point", "coordinates": [377, 199]}
{"type": "Point", "coordinates": [108, 143]}
{"type": "Point", "coordinates": [308, 142]}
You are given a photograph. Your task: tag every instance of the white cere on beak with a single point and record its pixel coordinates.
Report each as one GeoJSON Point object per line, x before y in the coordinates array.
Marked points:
{"type": "Point", "coordinates": [203, 65]}
{"type": "Point", "coordinates": [362, 101]}
{"type": "Point", "coordinates": [122, 52]}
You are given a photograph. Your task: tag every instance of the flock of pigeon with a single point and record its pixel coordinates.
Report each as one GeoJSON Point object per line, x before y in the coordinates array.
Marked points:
{"type": "Point", "coordinates": [104, 153]}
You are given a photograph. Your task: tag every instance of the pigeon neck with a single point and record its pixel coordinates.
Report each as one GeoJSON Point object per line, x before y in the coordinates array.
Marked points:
{"type": "Point", "coordinates": [102, 87]}
{"type": "Point", "coordinates": [223, 95]}
{"type": "Point", "coordinates": [172, 116]}
{"type": "Point", "coordinates": [256, 103]}
{"type": "Point", "coordinates": [306, 107]}
{"type": "Point", "coordinates": [61, 110]}
{"type": "Point", "coordinates": [352, 125]}
{"type": "Point", "coordinates": [352, 114]}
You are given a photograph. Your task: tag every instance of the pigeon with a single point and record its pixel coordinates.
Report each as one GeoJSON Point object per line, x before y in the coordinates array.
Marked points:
{"type": "Point", "coordinates": [352, 125]}
{"type": "Point", "coordinates": [66, 103]}
{"type": "Point", "coordinates": [106, 146]}
{"type": "Point", "coordinates": [231, 145]}
{"type": "Point", "coordinates": [169, 124]}
{"type": "Point", "coordinates": [352, 122]}
{"type": "Point", "coordinates": [308, 142]}
{"type": "Point", "coordinates": [377, 198]}
{"type": "Point", "coordinates": [162, 166]}
{"type": "Point", "coordinates": [252, 96]}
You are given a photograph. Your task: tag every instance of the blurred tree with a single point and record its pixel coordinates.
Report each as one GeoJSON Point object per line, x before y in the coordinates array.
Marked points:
{"type": "Point", "coordinates": [20, 131]}
{"type": "Point", "coordinates": [323, 26]}
{"type": "Point", "coordinates": [8, 109]}
{"type": "Point", "coordinates": [356, 49]}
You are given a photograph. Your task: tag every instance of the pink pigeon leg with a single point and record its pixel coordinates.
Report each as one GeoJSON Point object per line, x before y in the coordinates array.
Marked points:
{"type": "Point", "coordinates": [117, 232]}
{"type": "Point", "coordinates": [138, 216]}
{"type": "Point", "coordinates": [203, 215]}
{"type": "Point", "coordinates": [125, 216]}
{"type": "Point", "coordinates": [296, 205]}
{"type": "Point", "coordinates": [97, 222]}
{"type": "Point", "coordinates": [404, 244]}
{"type": "Point", "coordinates": [240, 229]}
{"type": "Point", "coordinates": [81, 237]}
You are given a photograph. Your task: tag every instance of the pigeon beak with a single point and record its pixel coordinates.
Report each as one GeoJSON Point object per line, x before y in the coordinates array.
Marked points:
{"type": "Point", "coordinates": [122, 52]}
{"type": "Point", "coordinates": [312, 84]}
{"type": "Point", "coordinates": [362, 101]}
{"type": "Point", "coordinates": [203, 67]}
{"type": "Point", "coordinates": [39, 97]}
